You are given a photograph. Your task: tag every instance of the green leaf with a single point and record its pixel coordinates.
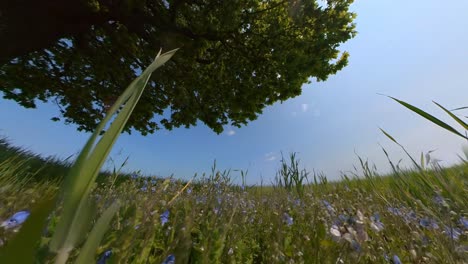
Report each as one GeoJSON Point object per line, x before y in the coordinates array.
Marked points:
{"type": "Point", "coordinates": [22, 248]}
{"type": "Point", "coordinates": [83, 174]}
{"type": "Point", "coordinates": [459, 121]}
{"type": "Point", "coordinates": [429, 117]}
{"type": "Point", "coordinates": [88, 251]}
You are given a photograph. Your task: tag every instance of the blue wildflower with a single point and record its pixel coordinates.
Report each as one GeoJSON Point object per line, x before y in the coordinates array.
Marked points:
{"type": "Point", "coordinates": [16, 220]}
{"type": "Point", "coordinates": [169, 260]}
{"type": "Point", "coordinates": [104, 257]}
{"type": "Point", "coordinates": [428, 223]}
{"type": "Point", "coordinates": [396, 259]}
{"type": "Point", "coordinates": [464, 222]}
{"type": "Point", "coordinates": [410, 217]}
{"type": "Point", "coordinates": [438, 199]}
{"type": "Point", "coordinates": [287, 219]}
{"type": "Point", "coordinates": [356, 246]}
{"type": "Point", "coordinates": [376, 225]}
{"type": "Point", "coordinates": [298, 202]}
{"type": "Point", "coordinates": [189, 190]}
{"type": "Point", "coordinates": [134, 176]}
{"type": "Point", "coordinates": [394, 211]}
{"type": "Point", "coordinates": [453, 232]}
{"type": "Point", "coordinates": [216, 210]}
{"type": "Point", "coordinates": [164, 217]}
{"type": "Point", "coordinates": [328, 206]}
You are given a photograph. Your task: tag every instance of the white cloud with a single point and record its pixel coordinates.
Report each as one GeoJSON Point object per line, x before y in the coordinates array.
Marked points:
{"type": "Point", "coordinates": [304, 107]}
{"type": "Point", "coordinates": [271, 156]}
{"type": "Point", "coordinates": [231, 132]}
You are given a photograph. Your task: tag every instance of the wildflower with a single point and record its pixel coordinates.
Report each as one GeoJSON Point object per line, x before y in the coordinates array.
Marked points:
{"type": "Point", "coordinates": [287, 219]}
{"type": "Point", "coordinates": [396, 259]}
{"type": "Point", "coordinates": [428, 223]}
{"type": "Point", "coordinates": [297, 202]}
{"type": "Point", "coordinates": [16, 220]}
{"type": "Point", "coordinates": [355, 246]}
{"type": "Point", "coordinates": [394, 211]}
{"type": "Point", "coordinates": [169, 260]}
{"type": "Point", "coordinates": [360, 217]}
{"type": "Point", "coordinates": [361, 234]}
{"type": "Point", "coordinates": [104, 257]}
{"type": "Point", "coordinates": [231, 251]}
{"type": "Point", "coordinates": [335, 233]}
{"type": "Point", "coordinates": [164, 217]}
{"type": "Point", "coordinates": [453, 232]}
{"type": "Point", "coordinates": [438, 199]}
{"type": "Point", "coordinates": [329, 207]}
{"type": "Point", "coordinates": [410, 217]}
{"type": "Point", "coordinates": [376, 225]}
{"type": "Point", "coordinates": [464, 222]}
{"type": "Point", "coordinates": [216, 210]}
{"type": "Point", "coordinates": [352, 242]}
{"type": "Point", "coordinates": [189, 190]}
{"type": "Point", "coordinates": [342, 219]}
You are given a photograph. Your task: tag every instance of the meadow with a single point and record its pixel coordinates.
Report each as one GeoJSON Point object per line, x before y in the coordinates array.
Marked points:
{"type": "Point", "coordinates": [56, 211]}
{"type": "Point", "coordinates": [411, 216]}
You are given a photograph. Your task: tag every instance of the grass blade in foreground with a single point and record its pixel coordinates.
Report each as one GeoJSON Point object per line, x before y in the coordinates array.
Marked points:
{"type": "Point", "coordinates": [78, 184]}
{"type": "Point", "coordinates": [429, 117]}
{"type": "Point", "coordinates": [89, 249]}
{"type": "Point", "coordinates": [22, 248]}
{"type": "Point", "coordinates": [459, 121]}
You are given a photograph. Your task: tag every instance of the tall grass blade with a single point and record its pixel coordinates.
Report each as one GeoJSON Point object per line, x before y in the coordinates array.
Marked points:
{"type": "Point", "coordinates": [459, 108]}
{"type": "Point", "coordinates": [429, 117]}
{"type": "Point", "coordinates": [459, 121]}
{"type": "Point", "coordinates": [81, 178]}
{"type": "Point", "coordinates": [88, 251]}
{"type": "Point", "coordinates": [401, 146]}
{"type": "Point", "coordinates": [22, 248]}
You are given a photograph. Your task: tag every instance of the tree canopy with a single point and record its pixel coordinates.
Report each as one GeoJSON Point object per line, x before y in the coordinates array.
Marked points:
{"type": "Point", "coordinates": [236, 57]}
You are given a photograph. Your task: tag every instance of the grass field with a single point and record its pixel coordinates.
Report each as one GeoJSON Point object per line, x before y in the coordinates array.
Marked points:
{"type": "Point", "coordinates": [416, 216]}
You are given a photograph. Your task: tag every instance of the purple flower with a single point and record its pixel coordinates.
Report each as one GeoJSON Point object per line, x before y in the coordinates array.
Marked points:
{"type": "Point", "coordinates": [164, 217]}
{"type": "Point", "coordinates": [287, 219]}
{"type": "Point", "coordinates": [104, 257]}
{"type": "Point", "coordinates": [169, 260]}
{"type": "Point", "coordinates": [16, 220]}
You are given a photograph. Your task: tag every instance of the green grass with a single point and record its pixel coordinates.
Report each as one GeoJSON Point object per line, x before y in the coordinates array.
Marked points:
{"type": "Point", "coordinates": [211, 220]}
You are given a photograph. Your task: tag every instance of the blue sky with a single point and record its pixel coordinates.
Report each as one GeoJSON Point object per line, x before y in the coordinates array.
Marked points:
{"type": "Point", "coordinates": [412, 50]}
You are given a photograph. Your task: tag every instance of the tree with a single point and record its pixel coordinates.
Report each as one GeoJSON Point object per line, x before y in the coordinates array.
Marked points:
{"type": "Point", "coordinates": [236, 57]}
